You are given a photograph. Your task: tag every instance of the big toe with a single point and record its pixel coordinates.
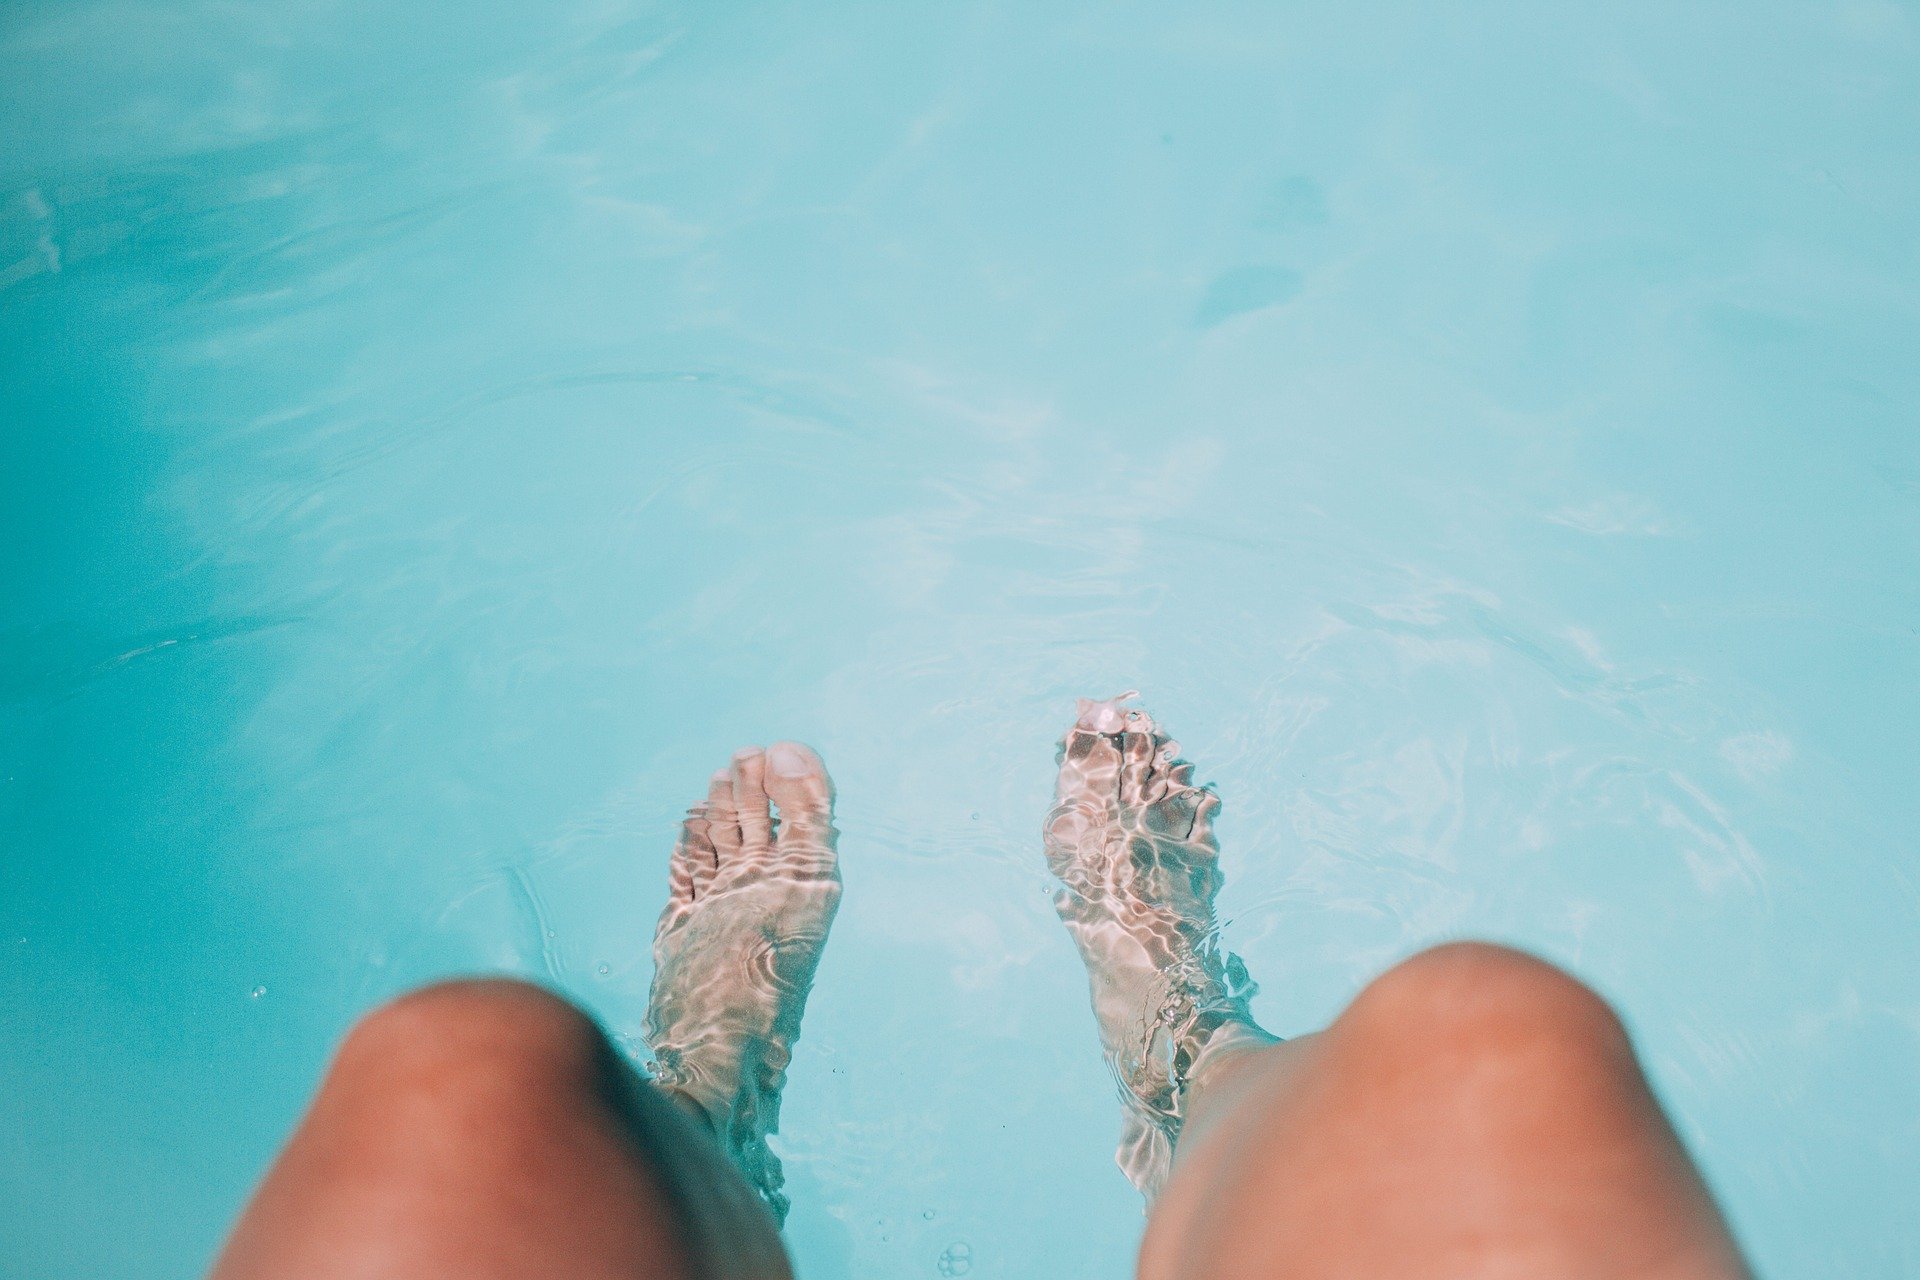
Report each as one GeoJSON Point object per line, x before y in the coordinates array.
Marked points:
{"type": "Point", "coordinates": [797, 782]}
{"type": "Point", "coordinates": [1106, 715]}
{"type": "Point", "coordinates": [748, 773]}
{"type": "Point", "coordinates": [1090, 763]}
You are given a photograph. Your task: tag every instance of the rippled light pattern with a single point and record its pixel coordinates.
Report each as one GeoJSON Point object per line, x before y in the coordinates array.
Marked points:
{"type": "Point", "coordinates": [435, 434]}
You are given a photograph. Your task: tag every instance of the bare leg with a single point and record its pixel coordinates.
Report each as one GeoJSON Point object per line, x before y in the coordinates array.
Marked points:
{"type": "Point", "coordinates": [486, 1129]}
{"type": "Point", "coordinates": [1474, 1113]}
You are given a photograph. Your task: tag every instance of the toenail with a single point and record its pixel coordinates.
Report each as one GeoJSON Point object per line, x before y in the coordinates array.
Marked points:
{"type": "Point", "coordinates": [789, 760]}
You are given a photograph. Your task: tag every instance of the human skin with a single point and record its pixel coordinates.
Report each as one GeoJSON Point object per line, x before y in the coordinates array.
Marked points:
{"type": "Point", "coordinates": [1474, 1114]}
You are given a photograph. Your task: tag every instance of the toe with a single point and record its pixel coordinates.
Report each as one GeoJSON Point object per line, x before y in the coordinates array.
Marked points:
{"type": "Point", "coordinates": [1176, 807]}
{"type": "Point", "coordinates": [1161, 773]}
{"type": "Point", "coordinates": [723, 819]}
{"type": "Point", "coordinates": [1172, 816]}
{"type": "Point", "coordinates": [1137, 751]}
{"type": "Point", "coordinates": [1185, 814]}
{"type": "Point", "coordinates": [692, 864]}
{"type": "Point", "coordinates": [750, 802]}
{"type": "Point", "coordinates": [1105, 715]}
{"type": "Point", "coordinates": [1089, 771]}
{"type": "Point", "coordinates": [1086, 804]}
{"type": "Point", "coordinates": [797, 782]}
{"type": "Point", "coordinates": [1206, 804]}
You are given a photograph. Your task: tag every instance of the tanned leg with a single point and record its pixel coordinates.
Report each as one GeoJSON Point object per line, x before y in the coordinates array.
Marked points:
{"type": "Point", "coordinates": [1474, 1115]}
{"type": "Point", "coordinates": [487, 1130]}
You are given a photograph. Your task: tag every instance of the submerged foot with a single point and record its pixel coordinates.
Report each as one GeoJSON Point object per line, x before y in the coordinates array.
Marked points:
{"type": "Point", "coordinates": [753, 895]}
{"type": "Point", "coordinates": [1131, 839]}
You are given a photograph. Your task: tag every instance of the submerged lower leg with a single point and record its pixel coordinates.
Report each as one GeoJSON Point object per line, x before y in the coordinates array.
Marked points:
{"type": "Point", "coordinates": [1131, 839]}
{"type": "Point", "coordinates": [752, 898]}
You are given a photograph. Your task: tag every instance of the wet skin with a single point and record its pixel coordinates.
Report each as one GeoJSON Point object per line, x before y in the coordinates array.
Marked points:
{"type": "Point", "coordinates": [1474, 1114]}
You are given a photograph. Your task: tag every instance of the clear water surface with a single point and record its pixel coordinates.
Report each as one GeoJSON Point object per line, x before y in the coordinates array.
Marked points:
{"type": "Point", "coordinates": [436, 434]}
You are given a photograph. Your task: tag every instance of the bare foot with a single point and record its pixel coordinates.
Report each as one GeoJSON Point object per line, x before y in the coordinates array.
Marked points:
{"type": "Point", "coordinates": [1131, 839]}
{"type": "Point", "coordinates": [752, 899]}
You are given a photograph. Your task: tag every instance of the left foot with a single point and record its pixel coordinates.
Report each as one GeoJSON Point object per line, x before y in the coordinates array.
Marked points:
{"type": "Point", "coordinates": [752, 898]}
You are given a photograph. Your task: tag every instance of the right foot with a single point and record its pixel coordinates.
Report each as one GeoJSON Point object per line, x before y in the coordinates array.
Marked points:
{"type": "Point", "coordinates": [1131, 839]}
{"type": "Point", "coordinates": [752, 897]}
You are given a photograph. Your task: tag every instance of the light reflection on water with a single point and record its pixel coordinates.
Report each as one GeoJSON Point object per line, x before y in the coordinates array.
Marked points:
{"type": "Point", "coordinates": [436, 440]}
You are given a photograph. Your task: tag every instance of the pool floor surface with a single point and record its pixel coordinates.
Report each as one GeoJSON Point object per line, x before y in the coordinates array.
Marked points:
{"type": "Point", "coordinates": [436, 436]}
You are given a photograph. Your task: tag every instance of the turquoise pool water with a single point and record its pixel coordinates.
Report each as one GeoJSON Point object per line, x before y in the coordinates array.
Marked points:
{"type": "Point", "coordinates": [436, 435]}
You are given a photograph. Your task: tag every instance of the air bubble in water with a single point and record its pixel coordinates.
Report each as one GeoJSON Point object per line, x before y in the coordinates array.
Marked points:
{"type": "Point", "coordinates": [605, 969]}
{"type": "Point", "coordinates": [928, 1215]}
{"type": "Point", "coordinates": [257, 992]}
{"type": "Point", "coordinates": [956, 1259]}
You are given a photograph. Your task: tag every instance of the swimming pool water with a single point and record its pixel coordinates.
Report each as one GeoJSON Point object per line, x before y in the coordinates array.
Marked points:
{"type": "Point", "coordinates": [436, 435]}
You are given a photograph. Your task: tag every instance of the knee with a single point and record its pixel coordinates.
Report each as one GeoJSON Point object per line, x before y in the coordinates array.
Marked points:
{"type": "Point", "coordinates": [1473, 1003]}
{"type": "Point", "coordinates": [468, 1048]}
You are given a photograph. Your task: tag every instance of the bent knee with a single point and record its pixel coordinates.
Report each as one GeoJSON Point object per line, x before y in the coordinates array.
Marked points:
{"type": "Point", "coordinates": [1481, 1001]}
{"type": "Point", "coordinates": [472, 1041]}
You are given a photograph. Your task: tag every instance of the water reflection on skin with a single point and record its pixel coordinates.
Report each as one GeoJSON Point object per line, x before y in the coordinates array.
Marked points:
{"type": "Point", "coordinates": [752, 898]}
{"type": "Point", "coordinates": [755, 884]}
